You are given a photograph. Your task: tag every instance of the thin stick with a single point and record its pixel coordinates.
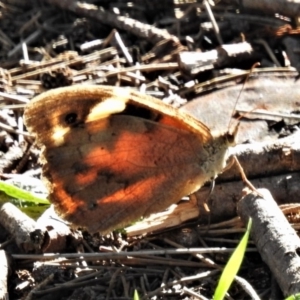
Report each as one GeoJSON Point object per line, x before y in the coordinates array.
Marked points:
{"type": "Point", "coordinates": [244, 177]}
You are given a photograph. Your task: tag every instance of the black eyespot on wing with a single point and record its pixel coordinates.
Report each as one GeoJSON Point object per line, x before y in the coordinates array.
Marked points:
{"type": "Point", "coordinates": [92, 206]}
{"type": "Point", "coordinates": [71, 118]}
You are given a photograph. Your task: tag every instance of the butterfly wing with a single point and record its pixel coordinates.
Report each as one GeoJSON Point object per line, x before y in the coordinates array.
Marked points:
{"type": "Point", "coordinates": [106, 166]}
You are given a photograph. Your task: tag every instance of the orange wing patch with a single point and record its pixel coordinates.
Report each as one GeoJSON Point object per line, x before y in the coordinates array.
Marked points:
{"type": "Point", "coordinates": [108, 167]}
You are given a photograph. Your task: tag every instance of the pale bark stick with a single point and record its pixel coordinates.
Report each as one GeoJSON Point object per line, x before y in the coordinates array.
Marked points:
{"type": "Point", "coordinates": [3, 275]}
{"type": "Point", "coordinates": [140, 29]}
{"type": "Point", "coordinates": [276, 240]}
{"type": "Point", "coordinates": [283, 7]}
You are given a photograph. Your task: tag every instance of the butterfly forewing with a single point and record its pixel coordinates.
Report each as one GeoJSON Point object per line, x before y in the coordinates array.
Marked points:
{"type": "Point", "coordinates": [106, 170]}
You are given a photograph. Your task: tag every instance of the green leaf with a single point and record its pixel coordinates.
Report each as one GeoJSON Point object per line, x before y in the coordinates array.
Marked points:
{"type": "Point", "coordinates": [18, 193]}
{"type": "Point", "coordinates": [293, 297]}
{"type": "Point", "coordinates": [27, 202]}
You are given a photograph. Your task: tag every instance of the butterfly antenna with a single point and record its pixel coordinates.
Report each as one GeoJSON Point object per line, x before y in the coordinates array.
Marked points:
{"type": "Point", "coordinates": [242, 89]}
{"type": "Point", "coordinates": [234, 159]}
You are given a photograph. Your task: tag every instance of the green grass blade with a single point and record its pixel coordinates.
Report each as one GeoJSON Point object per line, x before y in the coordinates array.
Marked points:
{"type": "Point", "coordinates": [293, 297]}
{"type": "Point", "coordinates": [232, 266]}
{"type": "Point", "coordinates": [136, 295]}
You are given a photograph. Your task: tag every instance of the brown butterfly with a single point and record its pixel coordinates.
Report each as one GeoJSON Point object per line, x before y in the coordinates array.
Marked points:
{"type": "Point", "coordinates": [112, 155]}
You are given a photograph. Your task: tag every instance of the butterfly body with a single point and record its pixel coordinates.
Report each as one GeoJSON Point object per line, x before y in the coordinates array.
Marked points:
{"type": "Point", "coordinates": [111, 155]}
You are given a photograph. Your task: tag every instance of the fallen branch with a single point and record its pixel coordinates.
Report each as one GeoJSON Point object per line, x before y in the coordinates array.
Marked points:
{"type": "Point", "coordinates": [275, 239]}
{"type": "Point", "coordinates": [151, 33]}
{"type": "Point", "coordinates": [284, 7]}
{"type": "Point", "coordinates": [275, 157]}
{"type": "Point", "coordinates": [3, 275]}
{"type": "Point", "coordinates": [195, 62]}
